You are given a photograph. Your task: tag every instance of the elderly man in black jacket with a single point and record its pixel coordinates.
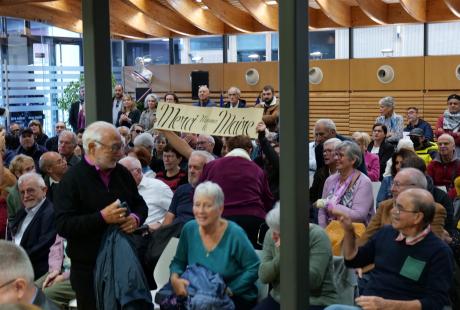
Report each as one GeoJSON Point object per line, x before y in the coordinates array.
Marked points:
{"type": "Point", "coordinates": [88, 200]}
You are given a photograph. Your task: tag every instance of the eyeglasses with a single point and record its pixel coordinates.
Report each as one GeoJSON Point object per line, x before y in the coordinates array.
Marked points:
{"type": "Point", "coordinates": [399, 185]}
{"type": "Point", "coordinates": [138, 131]}
{"type": "Point", "coordinates": [443, 143]}
{"type": "Point", "coordinates": [114, 147]}
{"type": "Point", "coordinates": [398, 209]}
{"type": "Point", "coordinates": [7, 283]}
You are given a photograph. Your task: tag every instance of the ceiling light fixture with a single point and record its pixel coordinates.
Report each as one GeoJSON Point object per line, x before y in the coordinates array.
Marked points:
{"type": "Point", "coordinates": [271, 2]}
{"type": "Point", "coordinates": [204, 7]}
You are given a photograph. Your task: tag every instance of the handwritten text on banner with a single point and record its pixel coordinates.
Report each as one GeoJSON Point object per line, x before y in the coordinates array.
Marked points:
{"type": "Point", "coordinates": [211, 121]}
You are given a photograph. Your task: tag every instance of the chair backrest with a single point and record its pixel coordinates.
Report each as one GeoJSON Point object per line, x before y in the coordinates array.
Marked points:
{"type": "Point", "coordinates": [161, 273]}
{"type": "Point", "coordinates": [262, 289]}
{"type": "Point", "coordinates": [375, 191]}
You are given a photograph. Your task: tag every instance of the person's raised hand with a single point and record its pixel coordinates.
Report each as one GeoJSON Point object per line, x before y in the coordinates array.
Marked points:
{"type": "Point", "coordinates": [345, 220]}
{"type": "Point", "coordinates": [50, 279]}
{"type": "Point", "coordinates": [261, 127]}
{"type": "Point", "coordinates": [113, 213]}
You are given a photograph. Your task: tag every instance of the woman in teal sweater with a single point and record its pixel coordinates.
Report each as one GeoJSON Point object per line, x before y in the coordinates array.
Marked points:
{"type": "Point", "coordinates": [219, 245]}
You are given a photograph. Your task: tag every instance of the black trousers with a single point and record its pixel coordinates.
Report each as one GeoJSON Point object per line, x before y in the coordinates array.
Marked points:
{"type": "Point", "coordinates": [82, 281]}
{"type": "Point", "coordinates": [251, 225]}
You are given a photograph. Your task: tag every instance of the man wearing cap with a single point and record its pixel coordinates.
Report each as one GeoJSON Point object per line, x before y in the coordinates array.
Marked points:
{"type": "Point", "coordinates": [449, 121]}
{"type": "Point", "coordinates": [424, 148]}
{"type": "Point", "coordinates": [416, 122]}
{"type": "Point", "coordinates": [27, 146]}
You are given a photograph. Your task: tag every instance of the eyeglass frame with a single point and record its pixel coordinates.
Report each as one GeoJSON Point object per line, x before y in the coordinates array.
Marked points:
{"type": "Point", "coordinates": [399, 209]}
{"type": "Point", "coordinates": [114, 147]}
{"type": "Point", "coordinates": [7, 283]}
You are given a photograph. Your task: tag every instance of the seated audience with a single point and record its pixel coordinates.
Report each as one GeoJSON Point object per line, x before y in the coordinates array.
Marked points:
{"type": "Point", "coordinates": [323, 173]}
{"type": "Point", "coordinates": [371, 160]}
{"type": "Point", "coordinates": [157, 155]}
{"type": "Point", "coordinates": [424, 148]}
{"type": "Point", "coordinates": [413, 268]}
{"type": "Point", "coordinates": [271, 105]}
{"type": "Point", "coordinates": [125, 137]}
{"type": "Point", "coordinates": [171, 97]}
{"type": "Point", "coordinates": [145, 157]}
{"type": "Point", "coordinates": [205, 143]}
{"type": "Point", "coordinates": [79, 150]}
{"type": "Point", "coordinates": [405, 179]}
{"type": "Point", "coordinates": [445, 167]}
{"type": "Point", "coordinates": [37, 129]}
{"type": "Point", "coordinates": [247, 193]}
{"type": "Point", "coordinates": [27, 146]}
{"type": "Point", "coordinates": [67, 143]}
{"type": "Point", "coordinates": [17, 278]}
{"type": "Point", "coordinates": [387, 182]}
{"type": "Point", "coordinates": [34, 227]}
{"type": "Point", "coordinates": [135, 130]}
{"type": "Point", "coordinates": [56, 282]}
{"type": "Point", "coordinates": [393, 121]}
{"type": "Point", "coordinates": [322, 289]}
{"type": "Point", "coordinates": [53, 166]}
{"type": "Point", "coordinates": [449, 121]}
{"type": "Point", "coordinates": [218, 245]}
{"type": "Point", "coordinates": [129, 113]}
{"type": "Point", "coordinates": [157, 195]}
{"type": "Point", "coordinates": [414, 121]}
{"type": "Point", "coordinates": [349, 191]}
{"type": "Point", "coordinates": [380, 146]}
{"type": "Point", "coordinates": [172, 175]}
{"type": "Point", "coordinates": [20, 165]}
{"type": "Point", "coordinates": [149, 115]}
{"type": "Point", "coordinates": [402, 144]}
{"type": "Point", "coordinates": [234, 98]}
{"type": "Point", "coordinates": [52, 143]}
{"type": "Point", "coordinates": [203, 98]}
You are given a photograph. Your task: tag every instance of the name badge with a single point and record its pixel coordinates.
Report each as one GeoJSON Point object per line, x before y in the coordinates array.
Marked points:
{"type": "Point", "coordinates": [412, 268]}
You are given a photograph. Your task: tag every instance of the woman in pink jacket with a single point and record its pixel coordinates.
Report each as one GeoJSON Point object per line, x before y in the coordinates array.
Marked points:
{"type": "Point", "coordinates": [371, 160]}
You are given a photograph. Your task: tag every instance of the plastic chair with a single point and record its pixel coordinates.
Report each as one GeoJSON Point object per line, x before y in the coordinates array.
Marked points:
{"type": "Point", "coordinates": [161, 273]}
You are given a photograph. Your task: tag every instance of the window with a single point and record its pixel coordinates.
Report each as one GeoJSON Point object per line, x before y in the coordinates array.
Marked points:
{"type": "Point", "coordinates": [15, 26]}
{"type": "Point", "coordinates": [321, 44]}
{"type": "Point", "coordinates": [207, 49]}
{"type": "Point", "coordinates": [250, 47]}
{"type": "Point", "coordinates": [392, 40]}
{"type": "Point", "coordinates": [275, 45]}
{"type": "Point", "coordinates": [443, 38]}
{"type": "Point", "coordinates": [153, 51]}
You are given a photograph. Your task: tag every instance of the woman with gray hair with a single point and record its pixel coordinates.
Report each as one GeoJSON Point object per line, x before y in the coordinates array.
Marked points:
{"type": "Point", "coordinates": [149, 115]}
{"type": "Point", "coordinates": [218, 245]}
{"type": "Point", "coordinates": [349, 191]}
{"type": "Point", "coordinates": [393, 121]}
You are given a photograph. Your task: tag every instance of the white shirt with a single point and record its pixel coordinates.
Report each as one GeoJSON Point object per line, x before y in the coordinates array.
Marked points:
{"type": "Point", "coordinates": [116, 107]}
{"type": "Point", "coordinates": [311, 154]}
{"type": "Point", "coordinates": [375, 150]}
{"type": "Point", "coordinates": [157, 196]}
{"type": "Point", "coordinates": [26, 221]}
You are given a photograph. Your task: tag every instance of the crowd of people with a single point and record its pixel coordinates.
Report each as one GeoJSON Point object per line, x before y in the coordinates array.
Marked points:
{"type": "Point", "coordinates": [88, 212]}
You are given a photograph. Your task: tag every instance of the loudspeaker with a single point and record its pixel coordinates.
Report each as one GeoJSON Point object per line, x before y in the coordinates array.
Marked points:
{"type": "Point", "coordinates": [198, 78]}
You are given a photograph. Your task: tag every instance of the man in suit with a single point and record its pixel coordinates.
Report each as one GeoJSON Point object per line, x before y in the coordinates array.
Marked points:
{"type": "Point", "coordinates": [17, 278]}
{"type": "Point", "coordinates": [88, 200]}
{"type": "Point", "coordinates": [77, 111]}
{"type": "Point", "coordinates": [204, 100]}
{"type": "Point", "coordinates": [234, 100]}
{"type": "Point", "coordinates": [34, 227]}
{"type": "Point", "coordinates": [53, 166]}
{"type": "Point", "coordinates": [52, 143]}
{"type": "Point", "coordinates": [117, 102]}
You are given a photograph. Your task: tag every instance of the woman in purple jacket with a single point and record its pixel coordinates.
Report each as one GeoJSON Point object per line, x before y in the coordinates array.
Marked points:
{"type": "Point", "coordinates": [348, 191]}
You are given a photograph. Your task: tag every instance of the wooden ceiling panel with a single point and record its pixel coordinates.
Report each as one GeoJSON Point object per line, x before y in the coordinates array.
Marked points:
{"type": "Point", "coordinates": [265, 14]}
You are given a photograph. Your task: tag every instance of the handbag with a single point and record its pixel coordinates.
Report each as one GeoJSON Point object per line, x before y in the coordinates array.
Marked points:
{"type": "Point", "coordinates": [336, 234]}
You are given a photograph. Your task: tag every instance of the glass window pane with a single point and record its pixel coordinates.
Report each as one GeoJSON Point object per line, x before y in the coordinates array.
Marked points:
{"type": "Point", "coordinates": [392, 40]}
{"type": "Point", "coordinates": [207, 49]}
{"type": "Point", "coordinates": [14, 25]}
{"type": "Point", "coordinates": [443, 38]}
{"type": "Point", "coordinates": [275, 45]}
{"type": "Point", "coordinates": [153, 51]}
{"type": "Point", "coordinates": [322, 44]}
{"type": "Point", "coordinates": [250, 47]}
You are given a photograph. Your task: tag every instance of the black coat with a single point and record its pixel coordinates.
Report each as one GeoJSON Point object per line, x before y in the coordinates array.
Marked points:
{"type": "Point", "coordinates": [73, 115]}
{"type": "Point", "coordinates": [241, 104]}
{"type": "Point", "coordinates": [38, 237]}
{"type": "Point", "coordinates": [52, 144]}
{"type": "Point", "coordinates": [78, 200]}
{"type": "Point", "coordinates": [134, 115]}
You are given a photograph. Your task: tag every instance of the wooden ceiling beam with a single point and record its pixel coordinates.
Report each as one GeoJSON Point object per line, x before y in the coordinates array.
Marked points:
{"type": "Point", "coordinates": [415, 8]}
{"type": "Point", "coordinates": [265, 14]}
{"type": "Point", "coordinates": [136, 19]}
{"type": "Point", "coordinates": [43, 15]}
{"type": "Point", "coordinates": [318, 20]}
{"type": "Point", "coordinates": [454, 6]}
{"type": "Point", "coordinates": [377, 10]}
{"type": "Point", "coordinates": [13, 2]}
{"type": "Point", "coordinates": [233, 17]}
{"type": "Point", "coordinates": [117, 27]}
{"type": "Point", "coordinates": [165, 17]}
{"type": "Point", "coordinates": [199, 17]}
{"type": "Point", "coordinates": [339, 12]}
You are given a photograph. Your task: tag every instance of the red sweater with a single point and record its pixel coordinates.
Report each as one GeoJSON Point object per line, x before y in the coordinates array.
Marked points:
{"type": "Point", "coordinates": [444, 174]}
